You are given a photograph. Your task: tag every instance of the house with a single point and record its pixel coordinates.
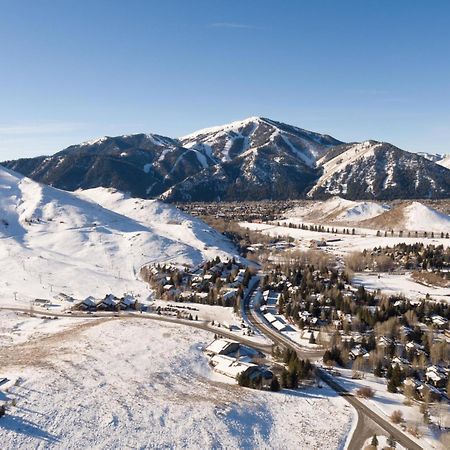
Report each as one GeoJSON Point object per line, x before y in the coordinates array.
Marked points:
{"type": "Point", "coordinates": [230, 294]}
{"type": "Point", "coordinates": [233, 367]}
{"type": "Point", "coordinates": [186, 295]}
{"type": "Point", "coordinates": [428, 390]}
{"type": "Point", "coordinates": [41, 302]}
{"type": "Point", "coordinates": [385, 341]}
{"type": "Point", "coordinates": [439, 321]}
{"type": "Point", "coordinates": [222, 347]}
{"type": "Point", "coordinates": [109, 302]}
{"type": "Point", "coordinates": [273, 298]}
{"type": "Point", "coordinates": [402, 362]}
{"type": "Point", "coordinates": [88, 303]}
{"type": "Point", "coordinates": [437, 376]}
{"type": "Point", "coordinates": [358, 350]}
{"type": "Point", "coordinates": [413, 347]}
{"type": "Point", "coordinates": [128, 301]}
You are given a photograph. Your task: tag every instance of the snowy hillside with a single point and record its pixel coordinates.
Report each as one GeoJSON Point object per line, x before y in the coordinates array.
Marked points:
{"type": "Point", "coordinates": [412, 216]}
{"type": "Point", "coordinates": [378, 170]}
{"type": "Point", "coordinates": [445, 162]}
{"type": "Point", "coordinates": [128, 384]}
{"type": "Point", "coordinates": [337, 209]}
{"type": "Point", "coordinates": [406, 216]}
{"type": "Point", "coordinates": [53, 241]}
{"type": "Point", "coordinates": [166, 220]}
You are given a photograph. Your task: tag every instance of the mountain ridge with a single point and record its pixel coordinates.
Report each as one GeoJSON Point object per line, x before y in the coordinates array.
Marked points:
{"type": "Point", "coordinates": [251, 159]}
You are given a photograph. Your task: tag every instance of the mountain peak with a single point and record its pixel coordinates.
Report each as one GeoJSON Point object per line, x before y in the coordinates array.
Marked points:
{"type": "Point", "coordinates": [249, 159]}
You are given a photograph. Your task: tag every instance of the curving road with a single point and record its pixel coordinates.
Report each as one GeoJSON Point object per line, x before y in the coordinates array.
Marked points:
{"type": "Point", "coordinates": [368, 420]}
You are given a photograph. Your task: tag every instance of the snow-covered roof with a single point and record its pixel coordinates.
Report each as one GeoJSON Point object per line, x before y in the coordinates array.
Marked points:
{"type": "Point", "coordinates": [229, 366]}
{"type": "Point", "coordinates": [220, 346]}
{"type": "Point", "coordinates": [89, 301]}
{"type": "Point", "coordinates": [270, 317]}
{"type": "Point", "coordinates": [278, 325]}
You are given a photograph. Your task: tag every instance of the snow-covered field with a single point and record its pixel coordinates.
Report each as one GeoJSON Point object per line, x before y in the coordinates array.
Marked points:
{"type": "Point", "coordinates": [134, 383]}
{"type": "Point", "coordinates": [363, 239]}
{"type": "Point", "coordinates": [90, 243]}
{"type": "Point", "coordinates": [401, 284]}
{"type": "Point", "coordinates": [19, 327]}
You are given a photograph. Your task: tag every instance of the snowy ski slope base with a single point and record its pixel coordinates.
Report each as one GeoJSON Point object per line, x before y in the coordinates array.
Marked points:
{"type": "Point", "coordinates": [53, 241]}
{"type": "Point", "coordinates": [95, 387]}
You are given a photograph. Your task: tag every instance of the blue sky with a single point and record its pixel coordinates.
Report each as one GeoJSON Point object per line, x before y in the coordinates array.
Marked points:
{"type": "Point", "coordinates": [72, 70]}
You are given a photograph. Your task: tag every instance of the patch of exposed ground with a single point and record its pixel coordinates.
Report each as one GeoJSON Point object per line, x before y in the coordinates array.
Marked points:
{"type": "Point", "coordinates": [41, 350]}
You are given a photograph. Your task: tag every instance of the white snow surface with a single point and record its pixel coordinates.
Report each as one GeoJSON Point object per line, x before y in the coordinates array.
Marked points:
{"type": "Point", "coordinates": [414, 216]}
{"type": "Point", "coordinates": [143, 384]}
{"type": "Point", "coordinates": [401, 284]}
{"type": "Point", "coordinates": [337, 209]}
{"type": "Point", "coordinates": [225, 135]}
{"type": "Point", "coordinates": [232, 126]}
{"type": "Point", "coordinates": [445, 162]}
{"type": "Point", "coordinates": [53, 241]}
{"type": "Point", "coordinates": [421, 217]}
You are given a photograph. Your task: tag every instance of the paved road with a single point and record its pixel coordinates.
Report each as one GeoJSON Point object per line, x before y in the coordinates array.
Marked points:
{"type": "Point", "coordinates": [366, 417]}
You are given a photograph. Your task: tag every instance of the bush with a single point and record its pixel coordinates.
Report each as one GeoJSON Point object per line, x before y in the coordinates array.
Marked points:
{"type": "Point", "coordinates": [356, 261]}
{"type": "Point", "coordinates": [274, 384]}
{"type": "Point", "coordinates": [414, 430]}
{"type": "Point", "coordinates": [365, 392]}
{"type": "Point", "coordinates": [397, 416]}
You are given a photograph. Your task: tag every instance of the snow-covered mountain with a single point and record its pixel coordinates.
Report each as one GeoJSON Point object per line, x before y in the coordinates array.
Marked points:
{"type": "Point", "coordinates": [438, 158]}
{"type": "Point", "coordinates": [445, 161]}
{"type": "Point", "coordinates": [378, 170]}
{"type": "Point", "coordinates": [144, 165]}
{"type": "Point", "coordinates": [252, 159]}
{"type": "Point", "coordinates": [257, 158]}
{"type": "Point", "coordinates": [226, 142]}
{"type": "Point", "coordinates": [54, 241]}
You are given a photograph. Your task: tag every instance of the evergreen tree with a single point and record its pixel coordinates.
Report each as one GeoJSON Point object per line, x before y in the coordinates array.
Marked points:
{"type": "Point", "coordinates": [378, 371]}
{"type": "Point", "coordinates": [274, 384]}
{"type": "Point", "coordinates": [374, 441]}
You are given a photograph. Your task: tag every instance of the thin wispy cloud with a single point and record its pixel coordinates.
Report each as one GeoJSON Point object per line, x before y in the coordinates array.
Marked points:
{"type": "Point", "coordinates": [235, 25]}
